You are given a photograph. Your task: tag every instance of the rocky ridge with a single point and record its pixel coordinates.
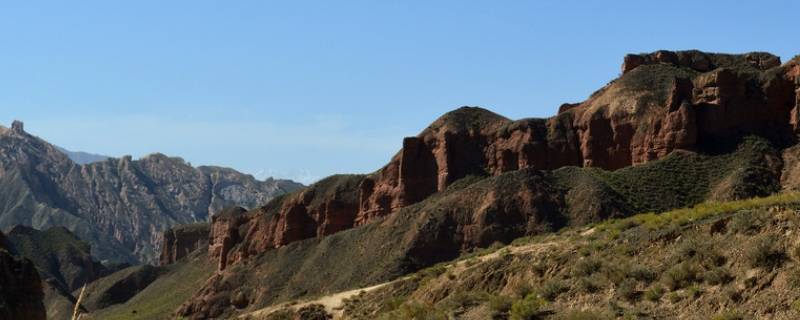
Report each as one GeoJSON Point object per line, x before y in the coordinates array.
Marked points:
{"type": "Point", "coordinates": [677, 110]}
{"type": "Point", "coordinates": [120, 206]}
{"type": "Point", "coordinates": [664, 101]}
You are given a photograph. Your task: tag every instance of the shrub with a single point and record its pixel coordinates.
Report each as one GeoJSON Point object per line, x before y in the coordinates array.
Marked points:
{"type": "Point", "coordinates": [642, 273]}
{"type": "Point", "coordinates": [500, 304]}
{"type": "Point", "coordinates": [589, 285]}
{"type": "Point", "coordinates": [694, 292]}
{"type": "Point", "coordinates": [523, 290]}
{"type": "Point", "coordinates": [586, 267]}
{"type": "Point", "coordinates": [313, 312]}
{"type": "Point", "coordinates": [680, 275]}
{"type": "Point", "coordinates": [674, 297]}
{"type": "Point", "coordinates": [550, 290]}
{"type": "Point", "coordinates": [764, 252]}
{"type": "Point", "coordinates": [527, 308]}
{"type": "Point", "coordinates": [732, 294]}
{"type": "Point", "coordinates": [717, 276]}
{"type": "Point", "coordinates": [627, 290]}
{"type": "Point", "coordinates": [654, 293]}
{"type": "Point", "coordinates": [745, 222]}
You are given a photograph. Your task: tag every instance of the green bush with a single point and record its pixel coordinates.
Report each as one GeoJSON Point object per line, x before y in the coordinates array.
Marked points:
{"type": "Point", "coordinates": [527, 308]}
{"type": "Point", "coordinates": [586, 267]}
{"type": "Point", "coordinates": [589, 284]}
{"type": "Point", "coordinates": [680, 275]}
{"type": "Point", "coordinates": [654, 293]}
{"type": "Point", "coordinates": [642, 273]}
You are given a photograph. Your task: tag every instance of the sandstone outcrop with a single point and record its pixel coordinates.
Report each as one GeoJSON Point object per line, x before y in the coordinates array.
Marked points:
{"type": "Point", "coordinates": [120, 206]}
{"type": "Point", "coordinates": [324, 208]}
{"type": "Point", "coordinates": [181, 240]}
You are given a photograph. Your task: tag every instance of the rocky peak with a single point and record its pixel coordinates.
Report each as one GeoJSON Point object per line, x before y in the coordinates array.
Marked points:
{"type": "Point", "coordinates": [18, 126]}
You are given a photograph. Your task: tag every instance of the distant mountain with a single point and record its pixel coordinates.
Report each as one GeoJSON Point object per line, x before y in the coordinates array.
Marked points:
{"type": "Point", "coordinates": [120, 206]}
{"type": "Point", "coordinates": [81, 157]}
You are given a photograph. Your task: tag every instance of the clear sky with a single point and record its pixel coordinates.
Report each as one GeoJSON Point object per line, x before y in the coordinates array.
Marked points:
{"type": "Point", "coordinates": [304, 89]}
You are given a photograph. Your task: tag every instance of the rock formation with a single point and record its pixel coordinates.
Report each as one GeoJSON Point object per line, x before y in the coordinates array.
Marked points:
{"type": "Point", "coordinates": [120, 206]}
{"type": "Point", "coordinates": [21, 292]}
{"type": "Point", "coordinates": [663, 101]}
{"type": "Point", "coordinates": [181, 240]}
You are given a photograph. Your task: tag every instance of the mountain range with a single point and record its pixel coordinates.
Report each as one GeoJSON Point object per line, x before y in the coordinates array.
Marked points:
{"type": "Point", "coordinates": [120, 206]}
{"type": "Point", "coordinates": [671, 192]}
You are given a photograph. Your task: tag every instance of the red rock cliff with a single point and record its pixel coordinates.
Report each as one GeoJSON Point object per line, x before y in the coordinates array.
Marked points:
{"type": "Point", "coordinates": [662, 102]}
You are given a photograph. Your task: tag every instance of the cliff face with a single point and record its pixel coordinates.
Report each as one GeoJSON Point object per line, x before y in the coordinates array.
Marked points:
{"type": "Point", "coordinates": [21, 292]}
{"type": "Point", "coordinates": [181, 240]}
{"type": "Point", "coordinates": [120, 206]}
{"type": "Point", "coordinates": [663, 101]}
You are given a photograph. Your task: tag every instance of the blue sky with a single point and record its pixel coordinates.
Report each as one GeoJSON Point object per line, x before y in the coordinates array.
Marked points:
{"type": "Point", "coordinates": [304, 89]}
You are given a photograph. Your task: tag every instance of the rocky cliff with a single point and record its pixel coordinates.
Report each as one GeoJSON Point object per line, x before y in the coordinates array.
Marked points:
{"type": "Point", "coordinates": [677, 127]}
{"type": "Point", "coordinates": [120, 206]}
{"type": "Point", "coordinates": [181, 240]}
{"type": "Point", "coordinates": [21, 292]}
{"type": "Point", "coordinates": [663, 101]}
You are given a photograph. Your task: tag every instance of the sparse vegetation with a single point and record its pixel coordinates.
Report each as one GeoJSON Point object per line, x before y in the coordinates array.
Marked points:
{"type": "Point", "coordinates": [688, 260]}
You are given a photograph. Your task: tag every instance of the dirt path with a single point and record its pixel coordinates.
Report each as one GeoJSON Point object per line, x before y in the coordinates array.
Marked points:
{"type": "Point", "coordinates": [333, 303]}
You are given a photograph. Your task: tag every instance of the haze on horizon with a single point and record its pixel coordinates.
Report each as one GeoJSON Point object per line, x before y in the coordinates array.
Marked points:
{"type": "Point", "coordinates": [305, 90]}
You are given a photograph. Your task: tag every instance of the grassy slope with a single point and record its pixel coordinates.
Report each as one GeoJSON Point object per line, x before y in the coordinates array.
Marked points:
{"type": "Point", "coordinates": [735, 260]}
{"type": "Point", "coordinates": [162, 297]}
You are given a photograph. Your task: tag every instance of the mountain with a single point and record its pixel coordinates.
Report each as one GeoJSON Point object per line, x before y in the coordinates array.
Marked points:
{"type": "Point", "coordinates": [21, 292]}
{"type": "Point", "coordinates": [81, 157]}
{"type": "Point", "coordinates": [119, 206]}
{"type": "Point", "coordinates": [637, 197]}
{"type": "Point", "coordinates": [674, 130]}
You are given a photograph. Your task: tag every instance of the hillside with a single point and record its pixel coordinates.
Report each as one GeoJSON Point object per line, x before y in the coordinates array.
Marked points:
{"type": "Point", "coordinates": [119, 206]}
{"type": "Point", "coordinates": [719, 260]}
